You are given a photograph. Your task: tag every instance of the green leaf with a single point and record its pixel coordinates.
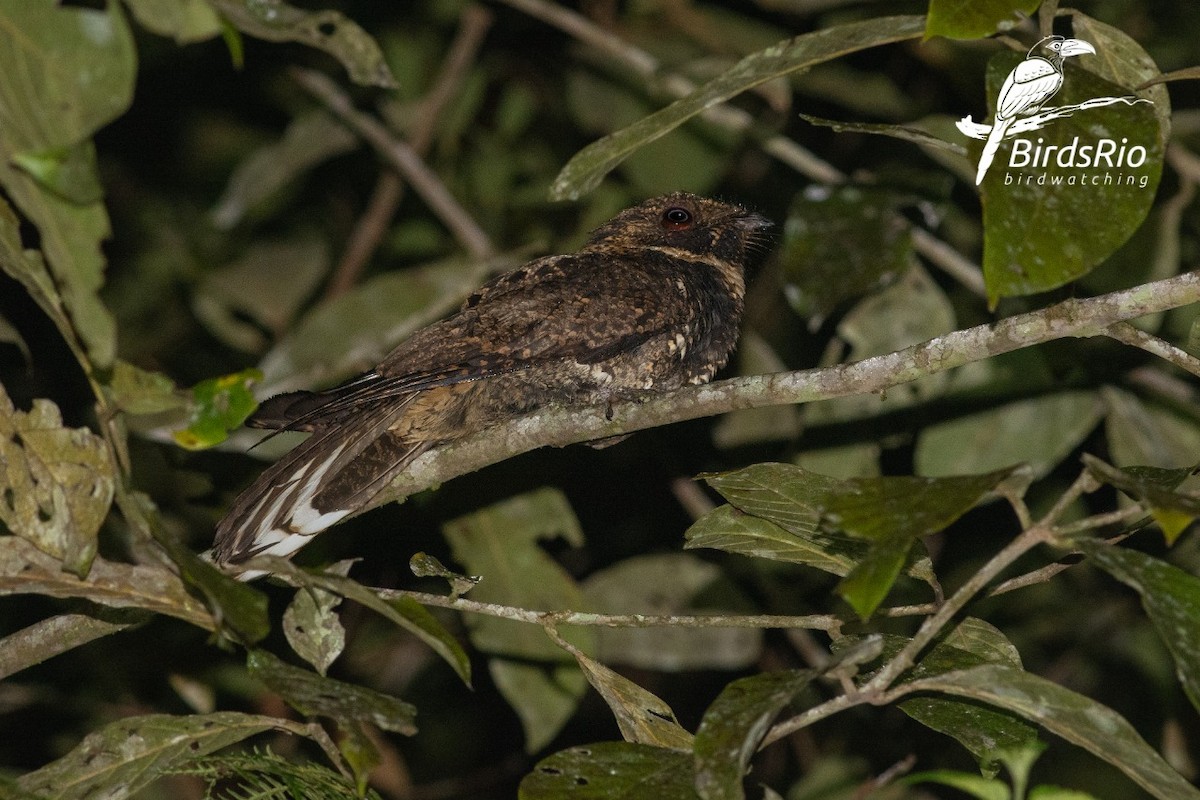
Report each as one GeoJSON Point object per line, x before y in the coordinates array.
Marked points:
{"type": "Point", "coordinates": [219, 405]}
{"type": "Point", "coordinates": [1140, 432]}
{"type": "Point", "coordinates": [665, 584]}
{"type": "Point", "coordinates": [1019, 762]}
{"type": "Point", "coordinates": [84, 59]}
{"type": "Point", "coordinates": [26, 570]}
{"type": "Point", "coordinates": [989, 734]}
{"type": "Point", "coordinates": [56, 483]}
{"type": "Point", "coordinates": [1048, 792]}
{"type": "Point", "coordinates": [344, 336]}
{"type": "Point", "coordinates": [331, 31]}
{"type": "Point", "coordinates": [240, 609]}
{"type": "Point", "coordinates": [313, 629]}
{"type": "Point", "coordinates": [1039, 431]}
{"type": "Point", "coordinates": [314, 695]}
{"type": "Point", "coordinates": [1026, 209]}
{"type": "Point", "coordinates": [865, 587]}
{"type": "Point", "coordinates": [263, 176]}
{"type": "Point", "coordinates": [1076, 718]}
{"type": "Point", "coordinates": [500, 544]}
{"type": "Point", "coordinates": [974, 785]}
{"type": "Point", "coordinates": [69, 71]}
{"type": "Point", "coordinates": [735, 724]}
{"type": "Point", "coordinates": [890, 513]}
{"type": "Point", "coordinates": [611, 771]}
{"type": "Point", "coordinates": [1173, 511]}
{"type": "Point", "coordinates": [261, 290]}
{"type": "Point", "coordinates": [734, 531]}
{"type": "Point", "coordinates": [913, 309]}
{"type": "Point", "coordinates": [589, 166]}
{"type": "Point", "coordinates": [69, 172]}
{"type": "Point", "coordinates": [424, 565]}
{"type": "Point", "coordinates": [1121, 60]}
{"type": "Point", "coordinates": [124, 756]}
{"type": "Point", "coordinates": [903, 505]}
{"type": "Point", "coordinates": [893, 512]}
{"type": "Point", "coordinates": [906, 133]}
{"type": "Point", "coordinates": [55, 635]}
{"type": "Point", "coordinates": [185, 21]}
{"type": "Point", "coordinates": [775, 512]}
{"type": "Point", "coordinates": [641, 715]}
{"type": "Point", "coordinates": [402, 611]}
{"type": "Point", "coordinates": [683, 160]}
{"type": "Point", "coordinates": [839, 244]}
{"type": "Point", "coordinates": [29, 269]}
{"type": "Point", "coordinates": [139, 391]}
{"type": "Point", "coordinates": [1171, 598]}
{"type": "Point", "coordinates": [956, 19]}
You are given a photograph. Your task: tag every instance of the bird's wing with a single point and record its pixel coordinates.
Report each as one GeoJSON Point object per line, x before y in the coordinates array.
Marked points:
{"type": "Point", "coordinates": [553, 308]}
{"type": "Point", "coordinates": [1031, 83]}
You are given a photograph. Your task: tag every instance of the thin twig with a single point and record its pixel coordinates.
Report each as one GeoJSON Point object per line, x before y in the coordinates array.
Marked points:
{"type": "Point", "coordinates": [389, 189]}
{"type": "Point", "coordinates": [424, 181]}
{"type": "Point", "coordinates": [1082, 485]}
{"type": "Point", "coordinates": [823, 622]}
{"type": "Point", "coordinates": [368, 232]}
{"type": "Point", "coordinates": [1124, 332]}
{"type": "Point", "coordinates": [875, 690]}
{"type": "Point", "coordinates": [949, 261]}
{"type": "Point", "coordinates": [1118, 517]}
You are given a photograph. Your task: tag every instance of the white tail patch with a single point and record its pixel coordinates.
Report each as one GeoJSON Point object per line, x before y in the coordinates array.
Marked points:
{"type": "Point", "coordinates": [282, 521]}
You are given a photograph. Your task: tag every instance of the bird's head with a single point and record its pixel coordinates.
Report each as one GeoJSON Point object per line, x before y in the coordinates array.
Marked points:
{"type": "Point", "coordinates": [686, 222]}
{"type": "Point", "coordinates": [1063, 47]}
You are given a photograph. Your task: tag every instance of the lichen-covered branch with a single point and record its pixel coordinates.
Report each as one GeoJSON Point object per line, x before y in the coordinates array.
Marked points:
{"type": "Point", "coordinates": [559, 427]}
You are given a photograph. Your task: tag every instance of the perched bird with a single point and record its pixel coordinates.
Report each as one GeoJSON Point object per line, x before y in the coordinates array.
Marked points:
{"type": "Point", "coordinates": [651, 302]}
{"type": "Point", "coordinates": [1027, 88]}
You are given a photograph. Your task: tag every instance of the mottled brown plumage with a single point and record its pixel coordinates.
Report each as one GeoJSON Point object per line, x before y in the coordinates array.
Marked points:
{"type": "Point", "coordinates": [651, 302]}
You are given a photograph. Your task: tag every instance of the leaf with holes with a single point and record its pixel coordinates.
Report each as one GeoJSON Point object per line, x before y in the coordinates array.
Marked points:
{"type": "Point", "coordinates": [611, 771]}
{"type": "Point", "coordinates": [735, 724]}
{"type": "Point", "coordinates": [125, 756]}
{"type": "Point", "coordinates": [641, 715]}
{"type": "Point", "coordinates": [56, 483]}
{"type": "Point", "coordinates": [331, 31]}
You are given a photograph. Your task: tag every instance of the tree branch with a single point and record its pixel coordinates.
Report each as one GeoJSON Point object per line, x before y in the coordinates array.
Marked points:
{"type": "Point", "coordinates": [401, 155]}
{"type": "Point", "coordinates": [559, 426]}
{"type": "Point", "coordinates": [1124, 332]}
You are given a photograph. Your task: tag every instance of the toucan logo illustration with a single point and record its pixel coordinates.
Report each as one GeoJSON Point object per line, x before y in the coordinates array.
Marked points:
{"type": "Point", "coordinates": [1021, 104]}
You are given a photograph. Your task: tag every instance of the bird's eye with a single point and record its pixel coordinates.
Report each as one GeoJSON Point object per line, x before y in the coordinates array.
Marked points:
{"type": "Point", "coordinates": [677, 219]}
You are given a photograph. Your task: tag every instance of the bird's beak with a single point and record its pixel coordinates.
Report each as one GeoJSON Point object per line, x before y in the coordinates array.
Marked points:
{"type": "Point", "coordinates": [1076, 47]}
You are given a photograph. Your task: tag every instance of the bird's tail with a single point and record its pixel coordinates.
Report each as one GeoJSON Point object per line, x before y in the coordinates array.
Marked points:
{"type": "Point", "coordinates": [332, 474]}
{"type": "Point", "coordinates": [999, 128]}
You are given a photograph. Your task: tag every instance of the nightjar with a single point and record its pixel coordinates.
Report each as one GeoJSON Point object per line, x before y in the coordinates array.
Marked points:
{"type": "Point", "coordinates": [651, 302]}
